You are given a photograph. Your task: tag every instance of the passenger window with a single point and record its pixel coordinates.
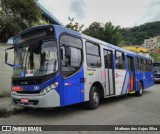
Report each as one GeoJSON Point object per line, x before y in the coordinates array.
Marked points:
{"type": "Point", "coordinates": [108, 59]}
{"type": "Point", "coordinates": [93, 55]}
{"type": "Point", "coordinates": [149, 64]}
{"type": "Point", "coordinates": [137, 64]}
{"type": "Point", "coordinates": [144, 65]}
{"type": "Point", "coordinates": [120, 62]}
{"type": "Point", "coordinates": [140, 64]}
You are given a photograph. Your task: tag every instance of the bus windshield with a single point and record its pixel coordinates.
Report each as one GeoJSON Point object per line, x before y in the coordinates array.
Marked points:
{"type": "Point", "coordinates": [36, 60]}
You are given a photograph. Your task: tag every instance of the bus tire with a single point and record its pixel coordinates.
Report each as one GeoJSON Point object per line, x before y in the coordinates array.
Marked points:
{"type": "Point", "coordinates": [94, 98]}
{"type": "Point", "coordinates": [140, 89]}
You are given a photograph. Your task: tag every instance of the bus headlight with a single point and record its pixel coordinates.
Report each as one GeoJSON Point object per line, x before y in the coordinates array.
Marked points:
{"type": "Point", "coordinates": [54, 85]}
{"type": "Point", "coordinates": [46, 90]}
{"type": "Point", "coordinates": [49, 88]}
{"type": "Point", "coordinates": [13, 92]}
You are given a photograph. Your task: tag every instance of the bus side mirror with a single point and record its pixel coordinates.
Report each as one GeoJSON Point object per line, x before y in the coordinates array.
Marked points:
{"type": "Point", "coordinates": [9, 57]}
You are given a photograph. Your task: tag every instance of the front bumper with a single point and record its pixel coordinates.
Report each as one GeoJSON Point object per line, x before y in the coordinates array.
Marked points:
{"type": "Point", "coordinates": [49, 100]}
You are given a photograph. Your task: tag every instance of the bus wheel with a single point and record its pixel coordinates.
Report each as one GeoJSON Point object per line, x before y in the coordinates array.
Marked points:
{"type": "Point", "coordinates": [94, 98]}
{"type": "Point", "coordinates": [140, 89]}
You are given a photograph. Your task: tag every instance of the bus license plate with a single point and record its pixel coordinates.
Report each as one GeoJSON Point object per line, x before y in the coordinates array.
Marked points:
{"type": "Point", "coordinates": [24, 100]}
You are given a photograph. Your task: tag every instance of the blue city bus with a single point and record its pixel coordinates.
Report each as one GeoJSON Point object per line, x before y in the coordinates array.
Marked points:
{"type": "Point", "coordinates": [55, 67]}
{"type": "Point", "coordinates": [156, 69]}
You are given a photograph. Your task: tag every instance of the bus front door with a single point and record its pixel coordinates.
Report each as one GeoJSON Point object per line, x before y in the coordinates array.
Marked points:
{"type": "Point", "coordinates": [109, 72]}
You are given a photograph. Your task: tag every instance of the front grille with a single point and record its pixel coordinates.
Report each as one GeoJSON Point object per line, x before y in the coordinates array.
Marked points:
{"type": "Point", "coordinates": [26, 81]}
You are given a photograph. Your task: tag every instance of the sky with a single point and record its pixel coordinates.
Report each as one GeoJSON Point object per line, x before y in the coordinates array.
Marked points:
{"type": "Point", "coordinates": [125, 13]}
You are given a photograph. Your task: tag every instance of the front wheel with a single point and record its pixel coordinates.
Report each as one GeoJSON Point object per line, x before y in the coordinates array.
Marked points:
{"type": "Point", "coordinates": [94, 98]}
{"type": "Point", "coordinates": [140, 89]}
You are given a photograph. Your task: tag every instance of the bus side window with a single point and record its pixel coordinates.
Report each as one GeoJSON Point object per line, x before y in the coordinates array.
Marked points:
{"type": "Point", "coordinates": [93, 55]}
{"type": "Point", "coordinates": [143, 65]}
{"type": "Point", "coordinates": [146, 68]}
{"type": "Point", "coordinates": [120, 61]}
{"type": "Point", "coordinates": [137, 64]}
{"type": "Point", "coordinates": [150, 66]}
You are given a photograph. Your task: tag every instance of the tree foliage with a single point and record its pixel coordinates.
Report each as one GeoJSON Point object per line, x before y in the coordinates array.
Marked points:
{"type": "Point", "coordinates": [106, 32]}
{"type": "Point", "coordinates": [137, 34]}
{"type": "Point", "coordinates": [17, 15]}
{"type": "Point", "coordinates": [156, 55]}
{"type": "Point", "coordinates": [74, 25]}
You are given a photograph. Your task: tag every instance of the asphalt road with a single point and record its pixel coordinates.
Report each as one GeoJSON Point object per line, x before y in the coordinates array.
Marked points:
{"type": "Point", "coordinates": [124, 110]}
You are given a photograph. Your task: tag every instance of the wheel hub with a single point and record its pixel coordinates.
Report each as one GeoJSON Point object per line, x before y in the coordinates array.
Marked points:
{"type": "Point", "coordinates": [95, 97]}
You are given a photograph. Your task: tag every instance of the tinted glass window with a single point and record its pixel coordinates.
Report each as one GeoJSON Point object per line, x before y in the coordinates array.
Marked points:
{"type": "Point", "coordinates": [37, 60]}
{"type": "Point", "coordinates": [137, 64]}
{"type": "Point", "coordinates": [92, 49]}
{"type": "Point", "coordinates": [149, 64]}
{"type": "Point", "coordinates": [76, 57]}
{"type": "Point", "coordinates": [140, 64]}
{"type": "Point", "coordinates": [93, 55]}
{"type": "Point", "coordinates": [71, 54]}
{"type": "Point", "coordinates": [120, 62]}
{"type": "Point", "coordinates": [71, 41]}
{"type": "Point", "coordinates": [93, 61]}
{"type": "Point", "coordinates": [144, 65]}
{"type": "Point", "coordinates": [108, 59]}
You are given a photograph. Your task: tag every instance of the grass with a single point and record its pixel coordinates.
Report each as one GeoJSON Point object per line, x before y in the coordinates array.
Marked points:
{"type": "Point", "coordinates": [5, 94]}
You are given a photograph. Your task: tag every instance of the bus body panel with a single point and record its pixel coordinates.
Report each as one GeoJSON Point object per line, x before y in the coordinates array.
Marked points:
{"type": "Point", "coordinates": [74, 88]}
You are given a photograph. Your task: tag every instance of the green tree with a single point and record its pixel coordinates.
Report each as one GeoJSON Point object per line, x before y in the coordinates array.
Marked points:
{"type": "Point", "coordinates": [74, 25]}
{"type": "Point", "coordinates": [137, 34]}
{"type": "Point", "coordinates": [112, 33]}
{"type": "Point", "coordinates": [156, 55]}
{"type": "Point", "coordinates": [17, 15]}
{"type": "Point", "coordinates": [106, 32]}
{"type": "Point", "coordinates": [95, 30]}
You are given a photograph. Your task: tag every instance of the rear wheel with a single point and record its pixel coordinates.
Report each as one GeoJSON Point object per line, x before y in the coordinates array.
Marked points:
{"type": "Point", "coordinates": [94, 98]}
{"type": "Point", "coordinates": [140, 89]}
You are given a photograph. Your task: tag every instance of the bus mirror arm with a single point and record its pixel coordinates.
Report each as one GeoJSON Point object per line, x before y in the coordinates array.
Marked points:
{"type": "Point", "coordinates": [6, 57]}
